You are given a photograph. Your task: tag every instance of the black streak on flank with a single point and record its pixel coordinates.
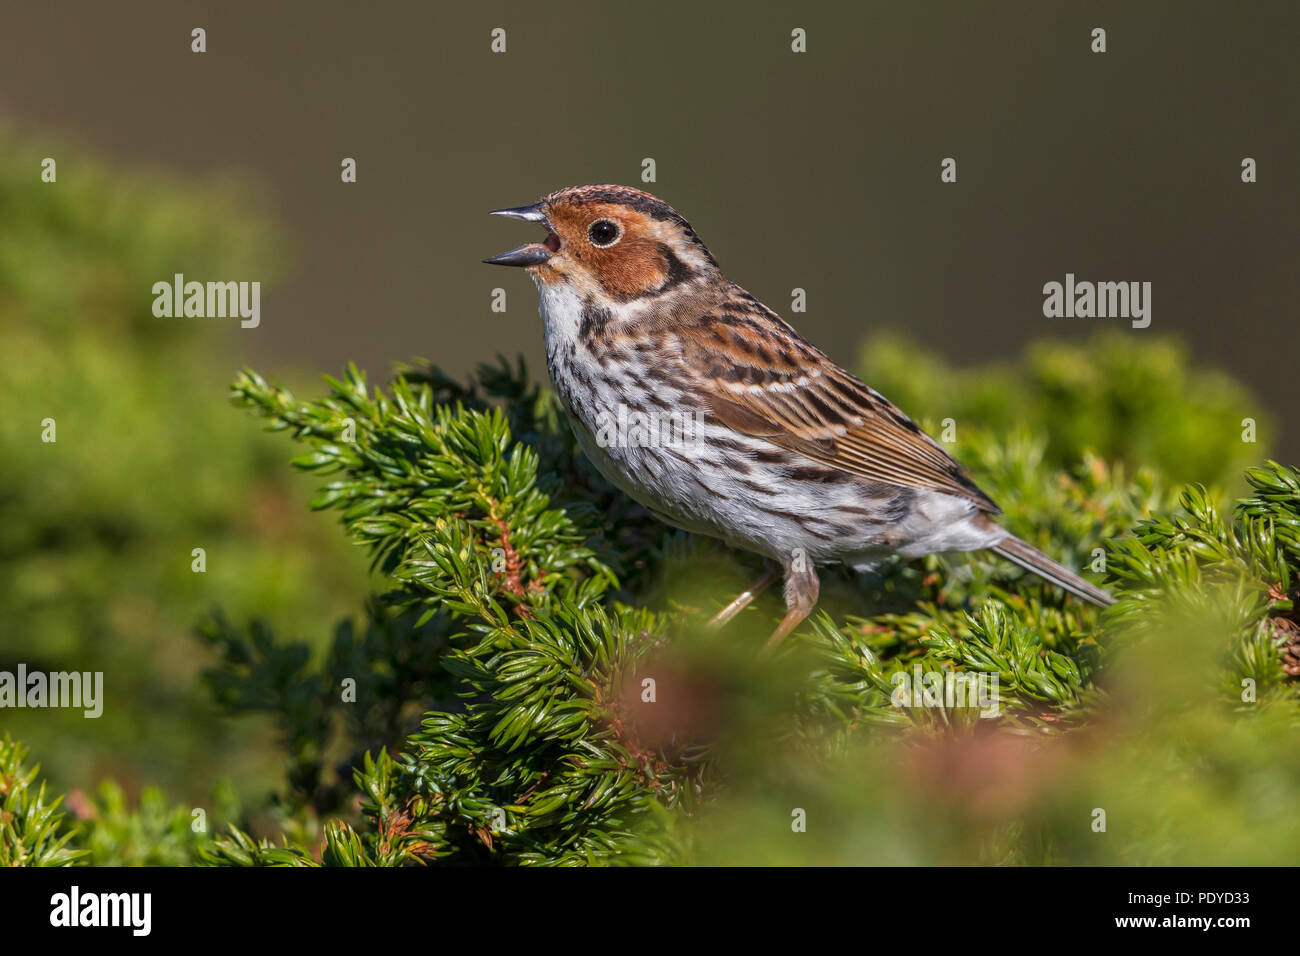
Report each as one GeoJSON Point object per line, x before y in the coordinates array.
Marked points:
{"type": "Point", "coordinates": [898, 507]}
{"type": "Point", "coordinates": [817, 474]}
{"type": "Point", "coordinates": [594, 320]}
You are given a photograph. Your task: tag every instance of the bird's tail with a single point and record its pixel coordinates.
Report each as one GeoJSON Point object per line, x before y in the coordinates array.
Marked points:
{"type": "Point", "coordinates": [1031, 559]}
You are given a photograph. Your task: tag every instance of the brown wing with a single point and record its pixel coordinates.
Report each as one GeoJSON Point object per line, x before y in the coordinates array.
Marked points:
{"type": "Point", "coordinates": [762, 378]}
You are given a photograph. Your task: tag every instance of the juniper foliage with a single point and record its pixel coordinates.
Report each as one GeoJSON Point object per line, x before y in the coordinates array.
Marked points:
{"type": "Point", "coordinates": [533, 686]}
{"type": "Point", "coordinates": [31, 825]}
{"type": "Point", "coordinates": [542, 750]}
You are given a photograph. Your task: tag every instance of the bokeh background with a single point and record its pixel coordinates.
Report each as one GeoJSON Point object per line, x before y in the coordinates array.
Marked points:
{"type": "Point", "coordinates": [818, 171]}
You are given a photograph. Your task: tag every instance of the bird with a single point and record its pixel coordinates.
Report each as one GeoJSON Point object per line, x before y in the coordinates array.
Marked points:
{"type": "Point", "coordinates": [788, 455]}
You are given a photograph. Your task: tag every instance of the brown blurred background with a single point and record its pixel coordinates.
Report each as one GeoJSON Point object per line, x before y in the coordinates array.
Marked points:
{"type": "Point", "coordinates": [818, 170]}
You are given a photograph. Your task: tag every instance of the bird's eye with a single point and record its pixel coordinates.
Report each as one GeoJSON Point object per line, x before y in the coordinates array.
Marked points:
{"type": "Point", "coordinates": [603, 233]}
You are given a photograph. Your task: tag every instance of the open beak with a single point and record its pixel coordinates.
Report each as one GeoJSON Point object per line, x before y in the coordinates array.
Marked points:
{"type": "Point", "coordinates": [532, 253]}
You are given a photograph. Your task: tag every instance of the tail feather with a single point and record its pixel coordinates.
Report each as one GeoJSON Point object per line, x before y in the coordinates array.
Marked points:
{"type": "Point", "coordinates": [1031, 559]}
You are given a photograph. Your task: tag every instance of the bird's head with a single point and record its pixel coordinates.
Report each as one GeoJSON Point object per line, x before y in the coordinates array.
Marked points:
{"type": "Point", "coordinates": [611, 242]}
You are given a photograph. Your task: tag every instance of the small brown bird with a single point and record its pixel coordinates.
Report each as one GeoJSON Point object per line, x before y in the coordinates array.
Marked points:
{"type": "Point", "coordinates": [786, 454]}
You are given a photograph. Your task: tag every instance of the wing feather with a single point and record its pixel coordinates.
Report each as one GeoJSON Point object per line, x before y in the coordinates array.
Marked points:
{"type": "Point", "coordinates": [761, 378]}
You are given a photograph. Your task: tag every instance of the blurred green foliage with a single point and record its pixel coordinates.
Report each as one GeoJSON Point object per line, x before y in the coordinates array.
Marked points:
{"type": "Point", "coordinates": [97, 528]}
{"type": "Point", "coordinates": [1135, 399]}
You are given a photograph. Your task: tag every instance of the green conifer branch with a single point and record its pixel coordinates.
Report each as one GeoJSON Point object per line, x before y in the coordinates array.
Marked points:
{"type": "Point", "coordinates": [510, 619]}
{"type": "Point", "coordinates": [32, 828]}
{"type": "Point", "coordinates": [538, 765]}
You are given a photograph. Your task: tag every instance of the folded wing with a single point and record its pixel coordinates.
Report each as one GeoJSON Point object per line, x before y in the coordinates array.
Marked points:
{"type": "Point", "coordinates": [762, 382]}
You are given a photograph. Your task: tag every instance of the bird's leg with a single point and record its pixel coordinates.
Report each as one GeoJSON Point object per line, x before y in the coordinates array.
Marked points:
{"type": "Point", "coordinates": [742, 600]}
{"type": "Point", "coordinates": [801, 590]}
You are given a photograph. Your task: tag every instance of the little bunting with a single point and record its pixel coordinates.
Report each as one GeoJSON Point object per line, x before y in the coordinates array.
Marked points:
{"type": "Point", "coordinates": [796, 459]}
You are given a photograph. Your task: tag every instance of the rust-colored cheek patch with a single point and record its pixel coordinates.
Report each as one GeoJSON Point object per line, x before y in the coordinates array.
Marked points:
{"type": "Point", "coordinates": [629, 268]}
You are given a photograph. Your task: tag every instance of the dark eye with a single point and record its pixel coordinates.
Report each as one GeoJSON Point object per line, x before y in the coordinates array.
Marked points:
{"type": "Point", "coordinates": [602, 233]}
